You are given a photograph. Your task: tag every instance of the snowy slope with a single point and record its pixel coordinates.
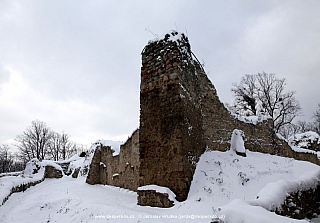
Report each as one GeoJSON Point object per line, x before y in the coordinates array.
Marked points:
{"type": "Point", "coordinates": [224, 185]}
{"type": "Point", "coordinates": [9, 182]}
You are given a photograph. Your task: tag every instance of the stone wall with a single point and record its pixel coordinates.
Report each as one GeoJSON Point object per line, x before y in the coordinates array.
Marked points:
{"type": "Point", "coordinates": [170, 116]}
{"type": "Point", "coordinates": [154, 199]}
{"type": "Point", "coordinates": [181, 115]}
{"type": "Point", "coordinates": [120, 170]}
{"type": "Point", "coordinates": [218, 124]}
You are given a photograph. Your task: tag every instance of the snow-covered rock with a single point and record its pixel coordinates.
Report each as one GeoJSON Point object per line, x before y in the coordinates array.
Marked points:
{"type": "Point", "coordinates": [272, 196]}
{"type": "Point", "coordinates": [51, 163]}
{"type": "Point", "coordinates": [237, 142]}
{"type": "Point", "coordinates": [159, 189]}
{"type": "Point", "coordinates": [240, 211]}
{"type": "Point", "coordinates": [32, 167]}
{"type": "Point", "coordinates": [252, 119]}
{"type": "Point", "coordinates": [307, 140]}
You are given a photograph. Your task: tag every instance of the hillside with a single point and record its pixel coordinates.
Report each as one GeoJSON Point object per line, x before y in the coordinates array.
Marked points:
{"type": "Point", "coordinates": [224, 185]}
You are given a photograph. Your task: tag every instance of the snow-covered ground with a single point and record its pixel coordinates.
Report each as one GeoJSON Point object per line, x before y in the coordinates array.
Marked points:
{"type": "Point", "coordinates": [224, 185]}
{"type": "Point", "coordinates": [9, 182]}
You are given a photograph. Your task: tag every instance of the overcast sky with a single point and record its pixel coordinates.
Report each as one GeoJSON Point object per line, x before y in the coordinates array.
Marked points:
{"type": "Point", "coordinates": [76, 64]}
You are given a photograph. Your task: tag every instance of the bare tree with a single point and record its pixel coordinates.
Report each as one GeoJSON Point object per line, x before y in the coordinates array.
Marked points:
{"type": "Point", "coordinates": [18, 164]}
{"type": "Point", "coordinates": [288, 130]}
{"type": "Point", "coordinates": [38, 141]}
{"type": "Point", "coordinates": [282, 107]}
{"type": "Point", "coordinates": [72, 149]}
{"type": "Point", "coordinates": [264, 93]}
{"type": "Point", "coordinates": [303, 126]}
{"type": "Point", "coordinates": [65, 145]}
{"type": "Point", "coordinates": [54, 146]}
{"type": "Point", "coordinates": [292, 129]}
{"type": "Point", "coordinates": [34, 140]}
{"type": "Point", "coordinates": [6, 159]}
{"type": "Point", "coordinates": [245, 94]}
{"type": "Point", "coordinates": [60, 147]}
{"type": "Point", "coordinates": [316, 117]}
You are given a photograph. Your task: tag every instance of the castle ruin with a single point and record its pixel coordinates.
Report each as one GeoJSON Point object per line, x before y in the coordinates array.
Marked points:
{"type": "Point", "coordinates": [180, 117]}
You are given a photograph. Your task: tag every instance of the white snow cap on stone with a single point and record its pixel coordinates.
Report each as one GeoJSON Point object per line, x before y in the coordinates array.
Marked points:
{"type": "Point", "coordinates": [162, 190]}
{"type": "Point", "coordinates": [274, 194]}
{"type": "Point", "coordinates": [252, 119]}
{"type": "Point", "coordinates": [237, 143]}
{"type": "Point", "coordinates": [32, 167]}
{"type": "Point", "coordinates": [304, 140]}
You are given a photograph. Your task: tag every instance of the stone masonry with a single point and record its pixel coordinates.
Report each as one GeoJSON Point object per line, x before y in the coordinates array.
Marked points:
{"type": "Point", "coordinates": [121, 170]}
{"type": "Point", "coordinates": [171, 136]}
{"type": "Point", "coordinates": [218, 124]}
{"type": "Point", "coordinates": [180, 116]}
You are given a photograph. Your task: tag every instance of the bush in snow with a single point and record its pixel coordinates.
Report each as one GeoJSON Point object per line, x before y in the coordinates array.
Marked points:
{"type": "Point", "coordinates": [32, 167]}
{"type": "Point", "coordinates": [237, 143]}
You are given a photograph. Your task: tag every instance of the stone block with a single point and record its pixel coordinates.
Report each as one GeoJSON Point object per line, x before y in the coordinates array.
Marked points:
{"type": "Point", "coordinates": [154, 199]}
{"type": "Point", "coordinates": [52, 172]}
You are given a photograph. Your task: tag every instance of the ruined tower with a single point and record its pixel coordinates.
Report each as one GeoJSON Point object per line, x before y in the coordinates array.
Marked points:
{"type": "Point", "coordinates": [181, 115]}
{"type": "Point", "coordinates": [171, 136]}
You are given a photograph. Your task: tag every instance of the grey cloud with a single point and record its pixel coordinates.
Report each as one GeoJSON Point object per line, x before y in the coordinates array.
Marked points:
{"type": "Point", "coordinates": [85, 56]}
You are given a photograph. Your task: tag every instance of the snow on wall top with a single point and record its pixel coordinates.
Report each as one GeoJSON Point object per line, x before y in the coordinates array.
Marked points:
{"type": "Point", "coordinates": [51, 163]}
{"type": "Point", "coordinates": [252, 119]}
{"type": "Point", "coordinates": [115, 146]}
{"type": "Point", "coordinates": [75, 157]}
{"type": "Point", "coordinates": [305, 139]}
{"type": "Point", "coordinates": [301, 150]}
{"type": "Point", "coordinates": [302, 142]}
{"type": "Point", "coordinates": [179, 39]}
{"type": "Point", "coordinates": [173, 36]}
{"type": "Point", "coordinates": [159, 189]}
